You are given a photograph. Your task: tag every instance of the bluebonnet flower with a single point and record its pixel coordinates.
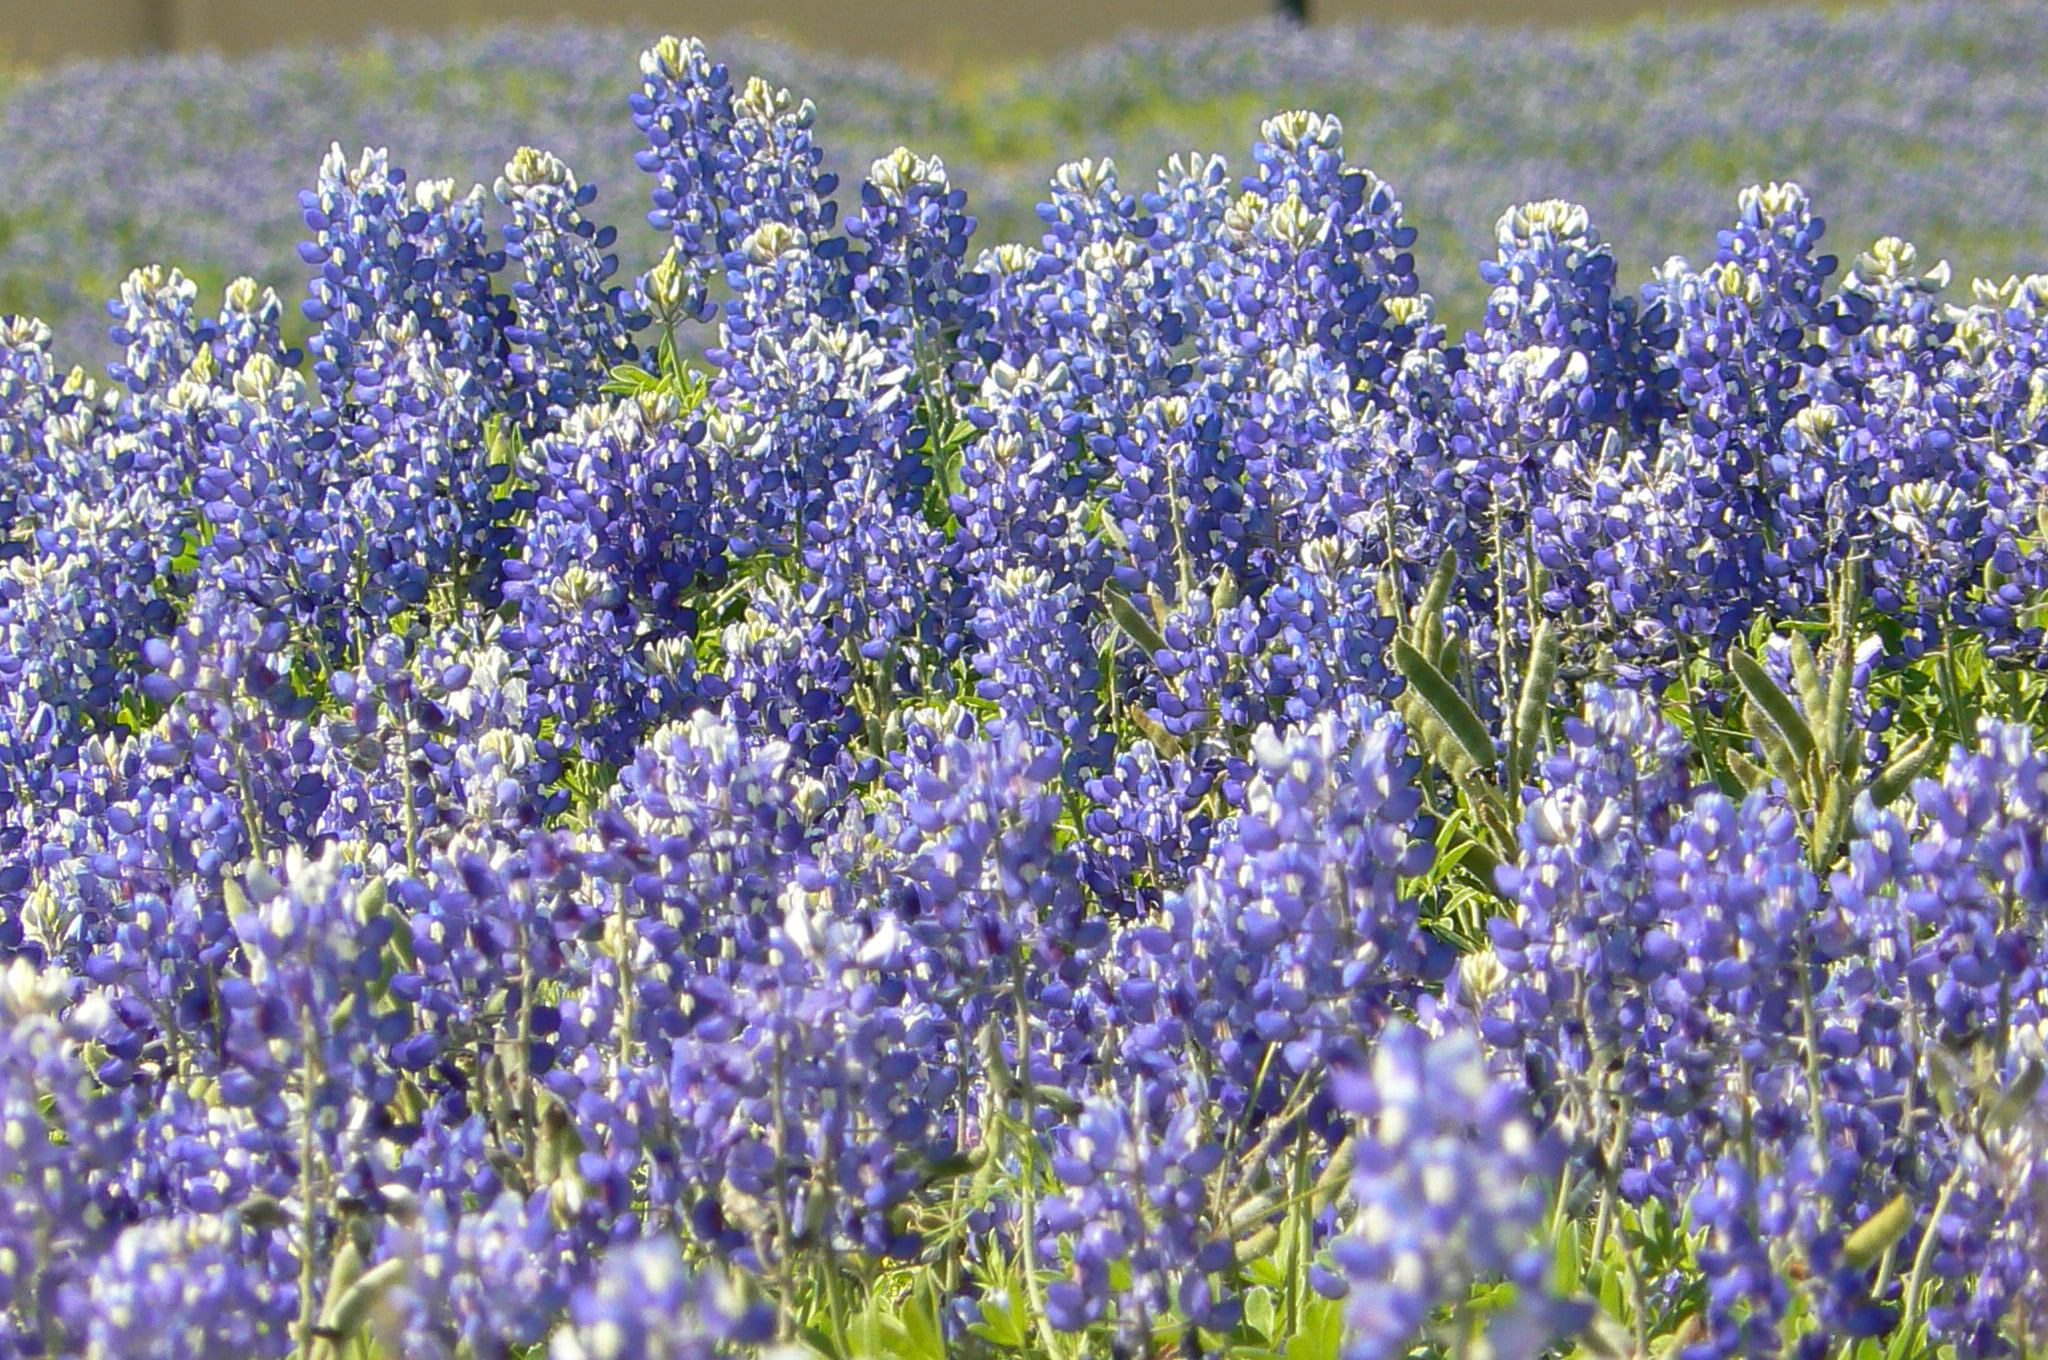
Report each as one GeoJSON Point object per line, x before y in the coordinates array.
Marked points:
{"type": "Point", "coordinates": [1037, 662]}
{"type": "Point", "coordinates": [477, 1283]}
{"type": "Point", "coordinates": [187, 1287]}
{"type": "Point", "coordinates": [644, 1306]}
{"type": "Point", "coordinates": [984, 880]}
{"type": "Point", "coordinates": [685, 110]}
{"type": "Point", "coordinates": [1332, 239]}
{"type": "Point", "coordinates": [1291, 943]}
{"type": "Point", "coordinates": [898, 597]}
{"type": "Point", "coordinates": [385, 251]}
{"type": "Point", "coordinates": [156, 329]}
{"type": "Point", "coordinates": [787, 674]}
{"type": "Point", "coordinates": [793, 380]}
{"type": "Point", "coordinates": [925, 793]}
{"type": "Point", "coordinates": [1586, 941]}
{"type": "Point", "coordinates": [64, 1138]}
{"type": "Point", "coordinates": [1747, 1296]}
{"type": "Point", "coordinates": [1147, 825]}
{"type": "Point", "coordinates": [569, 327]}
{"type": "Point", "coordinates": [1134, 1199]}
{"type": "Point", "coordinates": [1449, 1182]}
{"type": "Point", "coordinates": [29, 394]}
{"type": "Point", "coordinates": [622, 528]}
{"type": "Point", "coordinates": [1553, 281]}
{"type": "Point", "coordinates": [908, 278]}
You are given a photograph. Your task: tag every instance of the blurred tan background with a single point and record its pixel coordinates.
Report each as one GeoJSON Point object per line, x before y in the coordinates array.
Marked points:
{"type": "Point", "coordinates": [924, 32]}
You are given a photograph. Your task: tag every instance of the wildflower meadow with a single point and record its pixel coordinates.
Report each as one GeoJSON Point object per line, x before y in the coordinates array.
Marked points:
{"type": "Point", "coordinates": [798, 776]}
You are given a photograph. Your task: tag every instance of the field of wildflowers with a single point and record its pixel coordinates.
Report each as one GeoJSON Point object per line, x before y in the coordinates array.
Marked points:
{"type": "Point", "coordinates": [843, 789]}
{"type": "Point", "coordinates": [1918, 120]}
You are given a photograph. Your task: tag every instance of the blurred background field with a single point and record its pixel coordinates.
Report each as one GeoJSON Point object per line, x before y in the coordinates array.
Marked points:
{"type": "Point", "coordinates": [1920, 119]}
{"type": "Point", "coordinates": [920, 32]}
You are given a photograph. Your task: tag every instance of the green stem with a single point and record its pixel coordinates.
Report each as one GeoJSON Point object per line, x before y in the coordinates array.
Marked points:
{"type": "Point", "coordinates": [1951, 694]}
{"type": "Point", "coordinates": [1909, 1318]}
{"type": "Point", "coordinates": [309, 1080]}
{"type": "Point", "coordinates": [784, 1236]}
{"type": "Point", "coordinates": [1299, 1246]}
{"type": "Point", "coordinates": [1500, 631]}
{"type": "Point", "coordinates": [1810, 1041]}
{"type": "Point", "coordinates": [1027, 1186]}
{"type": "Point", "coordinates": [1610, 1176]}
{"type": "Point", "coordinates": [835, 1300]}
{"type": "Point", "coordinates": [627, 938]}
{"type": "Point", "coordinates": [1703, 736]}
{"type": "Point", "coordinates": [412, 811]}
{"type": "Point", "coordinates": [523, 1097]}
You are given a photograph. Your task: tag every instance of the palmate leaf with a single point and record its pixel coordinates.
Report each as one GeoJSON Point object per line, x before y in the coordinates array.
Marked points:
{"type": "Point", "coordinates": [626, 380]}
{"type": "Point", "coordinates": [890, 1330]}
{"type": "Point", "coordinates": [1321, 1333]}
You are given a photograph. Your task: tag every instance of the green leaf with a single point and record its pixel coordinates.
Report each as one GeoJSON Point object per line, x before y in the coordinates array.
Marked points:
{"type": "Point", "coordinates": [1260, 1244]}
{"type": "Point", "coordinates": [1831, 822]}
{"type": "Point", "coordinates": [1779, 758]}
{"type": "Point", "coordinates": [263, 1211]}
{"type": "Point", "coordinates": [1478, 859]}
{"type": "Point", "coordinates": [1905, 767]}
{"type": "Point", "coordinates": [2015, 1100]}
{"type": "Point", "coordinates": [879, 1333]}
{"type": "Point", "coordinates": [345, 1315]}
{"type": "Point", "coordinates": [1534, 709]}
{"type": "Point", "coordinates": [1162, 740]}
{"type": "Point", "coordinates": [1607, 1338]}
{"type": "Point", "coordinates": [1321, 1334]}
{"type": "Point", "coordinates": [812, 1343]}
{"type": "Point", "coordinates": [1427, 626]}
{"type": "Point", "coordinates": [1432, 736]}
{"type": "Point", "coordinates": [1056, 1099]}
{"type": "Point", "coordinates": [627, 380]}
{"type": "Point", "coordinates": [1612, 1292]}
{"type": "Point", "coordinates": [1746, 771]}
{"type": "Point", "coordinates": [1265, 1270]}
{"type": "Point", "coordinates": [346, 1268]}
{"type": "Point", "coordinates": [1837, 728]}
{"type": "Point", "coordinates": [1876, 1235]}
{"type": "Point", "coordinates": [924, 1337]}
{"type": "Point", "coordinates": [1806, 676]}
{"type": "Point", "coordinates": [1002, 1319]}
{"type": "Point", "coordinates": [1774, 706]}
{"type": "Point", "coordinates": [1226, 592]}
{"type": "Point", "coordinates": [1259, 1311]}
{"type": "Point", "coordinates": [1567, 1266]}
{"type": "Point", "coordinates": [559, 1144]}
{"type": "Point", "coordinates": [1446, 704]}
{"type": "Point", "coordinates": [1135, 623]}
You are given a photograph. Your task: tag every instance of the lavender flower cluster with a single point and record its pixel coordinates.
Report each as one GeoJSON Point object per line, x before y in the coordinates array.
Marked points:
{"type": "Point", "coordinates": [1077, 798]}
